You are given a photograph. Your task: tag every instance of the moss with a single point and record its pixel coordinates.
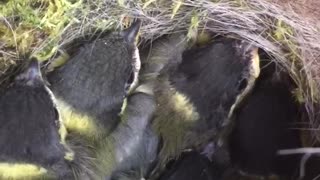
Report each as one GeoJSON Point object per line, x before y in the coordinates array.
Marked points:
{"type": "Point", "coordinates": [27, 24]}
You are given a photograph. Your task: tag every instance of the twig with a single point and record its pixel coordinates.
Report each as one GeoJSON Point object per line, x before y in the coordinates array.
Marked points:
{"type": "Point", "coordinates": [299, 151]}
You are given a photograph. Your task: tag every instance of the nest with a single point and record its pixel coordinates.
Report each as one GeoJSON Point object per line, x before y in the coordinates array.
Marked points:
{"type": "Point", "coordinates": [42, 28]}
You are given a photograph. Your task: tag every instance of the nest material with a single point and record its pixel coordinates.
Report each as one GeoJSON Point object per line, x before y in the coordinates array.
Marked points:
{"type": "Point", "coordinates": [42, 27]}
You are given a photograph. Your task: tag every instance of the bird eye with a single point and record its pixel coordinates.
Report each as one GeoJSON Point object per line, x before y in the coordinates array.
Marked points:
{"type": "Point", "coordinates": [56, 116]}
{"type": "Point", "coordinates": [129, 81]}
{"type": "Point", "coordinates": [131, 78]}
{"type": "Point", "coordinates": [242, 84]}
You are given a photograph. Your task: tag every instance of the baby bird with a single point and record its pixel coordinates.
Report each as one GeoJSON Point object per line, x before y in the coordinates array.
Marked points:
{"type": "Point", "coordinates": [31, 144]}
{"type": "Point", "coordinates": [262, 127]}
{"type": "Point", "coordinates": [215, 78]}
{"type": "Point", "coordinates": [106, 118]}
{"type": "Point", "coordinates": [135, 143]}
{"type": "Point", "coordinates": [91, 86]}
{"type": "Point", "coordinates": [196, 91]}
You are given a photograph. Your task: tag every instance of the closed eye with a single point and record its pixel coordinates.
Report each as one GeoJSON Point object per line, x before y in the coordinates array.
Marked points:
{"type": "Point", "coordinates": [56, 114]}
{"type": "Point", "coordinates": [131, 78]}
{"type": "Point", "coordinates": [129, 81]}
{"type": "Point", "coordinates": [56, 117]}
{"type": "Point", "coordinates": [242, 84]}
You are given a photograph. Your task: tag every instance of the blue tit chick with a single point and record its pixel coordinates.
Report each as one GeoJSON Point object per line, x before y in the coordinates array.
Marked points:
{"type": "Point", "coordinates": [106, 118]}
{"type": "Point", "coordinates": [32, 146]}
{"type": "Point", "coordinates": [90, 87]}
{"type": "Point", "coordinates": [135, 143]}
{"type": "Point", "coordinates": [197, 96]}
{"type": "Point", "coordinates": [264, 125]}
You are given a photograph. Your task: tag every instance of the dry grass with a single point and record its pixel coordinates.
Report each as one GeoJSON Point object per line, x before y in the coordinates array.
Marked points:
{"type": "Point", "coordinates": [42, 27]}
